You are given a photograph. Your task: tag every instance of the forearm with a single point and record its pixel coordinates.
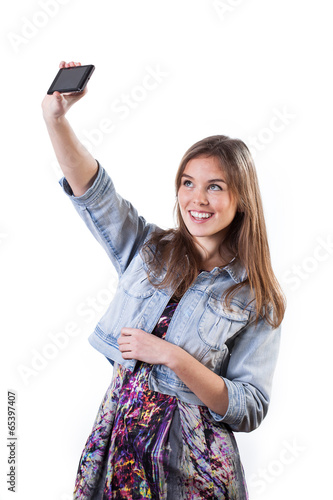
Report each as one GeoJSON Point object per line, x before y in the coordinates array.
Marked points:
{"type": "Point", "coordinates": [78, 165]}
{"type": "Point", "coordinates": [205, 384]}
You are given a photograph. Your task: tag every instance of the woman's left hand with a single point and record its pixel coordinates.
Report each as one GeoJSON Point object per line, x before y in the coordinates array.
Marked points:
{"type": "Point", "coordinates": [143, 346]}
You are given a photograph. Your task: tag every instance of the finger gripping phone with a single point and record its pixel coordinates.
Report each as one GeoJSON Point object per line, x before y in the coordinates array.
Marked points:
{"type": "Point", "coordinates": [72, 79]}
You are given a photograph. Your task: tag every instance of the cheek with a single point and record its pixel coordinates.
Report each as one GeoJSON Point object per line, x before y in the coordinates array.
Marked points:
{"type": "Point", "coordinates": [227, 208]}
{"type": "Point", "coordinates": [182, 199]}
{"type": "Point", "coordinates": [232, 211]}
{"type": "Point", "coordinates": [180, 205]}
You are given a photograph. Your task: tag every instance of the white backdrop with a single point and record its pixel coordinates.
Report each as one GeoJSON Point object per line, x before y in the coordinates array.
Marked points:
{"type": "Point", "coordinates": [258, 70]}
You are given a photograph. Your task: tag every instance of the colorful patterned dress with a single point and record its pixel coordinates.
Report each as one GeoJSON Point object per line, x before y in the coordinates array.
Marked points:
{"type": "Point", "coordinates": [148, 445]}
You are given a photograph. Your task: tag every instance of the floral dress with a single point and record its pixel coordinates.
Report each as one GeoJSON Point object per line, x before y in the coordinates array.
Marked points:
{"type": "Point", "coordinates": [148, 445]}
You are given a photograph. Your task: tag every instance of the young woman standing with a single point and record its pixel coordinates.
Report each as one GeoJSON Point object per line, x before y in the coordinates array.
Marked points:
{"type": "Point", "coordinates": [193, 330]}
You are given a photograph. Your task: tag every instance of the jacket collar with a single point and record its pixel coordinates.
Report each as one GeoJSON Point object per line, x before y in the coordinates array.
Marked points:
{"type": "Point", "coordinates": [236, 270]}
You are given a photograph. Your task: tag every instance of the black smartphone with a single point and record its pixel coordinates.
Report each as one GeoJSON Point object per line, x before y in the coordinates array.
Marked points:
{"type": "Point", "coordinates": [73, 79]}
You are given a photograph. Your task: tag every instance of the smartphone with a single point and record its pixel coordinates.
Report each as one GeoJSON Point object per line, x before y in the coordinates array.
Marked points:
{"type": "Point", "coordinates": [73, 79]}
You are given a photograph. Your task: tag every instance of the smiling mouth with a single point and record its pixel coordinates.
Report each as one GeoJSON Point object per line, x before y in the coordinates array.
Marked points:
{"type": "Point", "coordinates": [200, 216]}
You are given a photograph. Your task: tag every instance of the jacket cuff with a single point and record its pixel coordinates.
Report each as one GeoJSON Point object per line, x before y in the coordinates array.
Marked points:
{"type": "Point", "coordinates": [92, 193]}
{"type": "Point", "coordinates": [236, 407]}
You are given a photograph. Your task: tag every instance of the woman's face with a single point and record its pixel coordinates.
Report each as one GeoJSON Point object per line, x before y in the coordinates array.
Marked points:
{"type": "Point", "coordinates": [206, 204]}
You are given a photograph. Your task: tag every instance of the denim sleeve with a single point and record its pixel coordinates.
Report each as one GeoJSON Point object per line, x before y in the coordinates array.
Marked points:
{"type": "Point", "coordinates": [112, 220]}
{"type": "Point", "coordinates": [249, 376]}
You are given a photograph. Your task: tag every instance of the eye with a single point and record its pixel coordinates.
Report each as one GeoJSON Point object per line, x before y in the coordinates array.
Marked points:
{"type": "Point", "coordinates": [187, 183]}
{"type": "Point", "coordinates": [215, 187]}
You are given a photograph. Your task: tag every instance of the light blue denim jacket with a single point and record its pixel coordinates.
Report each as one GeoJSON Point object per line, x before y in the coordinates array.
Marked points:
{"type": "Point", "coordinates": [226, 341]}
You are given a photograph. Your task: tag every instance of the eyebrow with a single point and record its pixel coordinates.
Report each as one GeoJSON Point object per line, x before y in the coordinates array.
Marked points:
{"type": "Point", "coordinates": [208, 182]}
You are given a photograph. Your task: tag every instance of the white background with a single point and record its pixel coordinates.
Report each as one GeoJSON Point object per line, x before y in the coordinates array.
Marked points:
{"type": "Point", "coordinates": [230, 68]}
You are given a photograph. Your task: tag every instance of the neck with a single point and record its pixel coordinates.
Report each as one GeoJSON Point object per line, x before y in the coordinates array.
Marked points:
{"type": "Point", "coordinates": [213, 256]}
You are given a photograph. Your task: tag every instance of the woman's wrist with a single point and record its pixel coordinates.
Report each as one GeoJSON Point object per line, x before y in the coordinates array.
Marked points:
{"type": "Point", "coordinates": [174, 357]}
{"type": "Point", "coordinates": [55, 121]}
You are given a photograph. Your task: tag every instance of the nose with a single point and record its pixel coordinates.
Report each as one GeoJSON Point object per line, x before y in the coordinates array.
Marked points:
{"type": "Point", "coordinates": [200, 197]}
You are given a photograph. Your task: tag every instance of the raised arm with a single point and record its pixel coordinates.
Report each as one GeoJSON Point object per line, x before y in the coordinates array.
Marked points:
{"type": "Point", "coordinates": [77, 164]}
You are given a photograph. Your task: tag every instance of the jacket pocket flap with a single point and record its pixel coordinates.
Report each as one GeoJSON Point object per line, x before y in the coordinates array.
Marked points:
{"type": "Point", "coordinates": [235, 313]}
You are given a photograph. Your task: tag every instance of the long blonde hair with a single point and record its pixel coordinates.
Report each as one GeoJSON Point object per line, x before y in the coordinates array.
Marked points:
{"type": "Point", "coordinates": [246, 239]}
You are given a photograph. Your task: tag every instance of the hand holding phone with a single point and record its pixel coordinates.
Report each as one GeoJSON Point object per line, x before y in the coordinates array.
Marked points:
{"type": "Point", "coordinates": [64, 92]}
{"type": "Point", "coordinates": [71, 79]}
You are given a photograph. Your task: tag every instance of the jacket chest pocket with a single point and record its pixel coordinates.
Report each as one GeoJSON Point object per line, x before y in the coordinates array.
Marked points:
{"type": "Point", "coordinates": [136, 284]}
{"type": "Point", "coordinates": [217, 323]}
{"type": "Point", "coordinates": [132, 306]}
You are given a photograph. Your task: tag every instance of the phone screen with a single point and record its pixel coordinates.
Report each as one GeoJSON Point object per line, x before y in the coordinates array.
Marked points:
{"type": "Point", "coordinates": [71, 79]}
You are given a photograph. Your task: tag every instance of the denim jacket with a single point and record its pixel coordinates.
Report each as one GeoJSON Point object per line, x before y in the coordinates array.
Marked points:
{"type": "Point", "coordinates": [226, 341]}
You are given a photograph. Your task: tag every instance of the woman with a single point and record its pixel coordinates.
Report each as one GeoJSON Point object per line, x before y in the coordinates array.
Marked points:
{"type": "Point", "coordinates": [193, 330]}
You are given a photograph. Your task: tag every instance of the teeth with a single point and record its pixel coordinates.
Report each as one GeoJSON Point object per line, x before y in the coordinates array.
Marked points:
{"type": "Point", "coordinates": [200, 215]}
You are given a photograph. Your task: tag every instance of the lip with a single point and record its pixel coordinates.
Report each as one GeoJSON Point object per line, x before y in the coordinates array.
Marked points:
{"type": "Point", "coordinates": [200, 221]}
